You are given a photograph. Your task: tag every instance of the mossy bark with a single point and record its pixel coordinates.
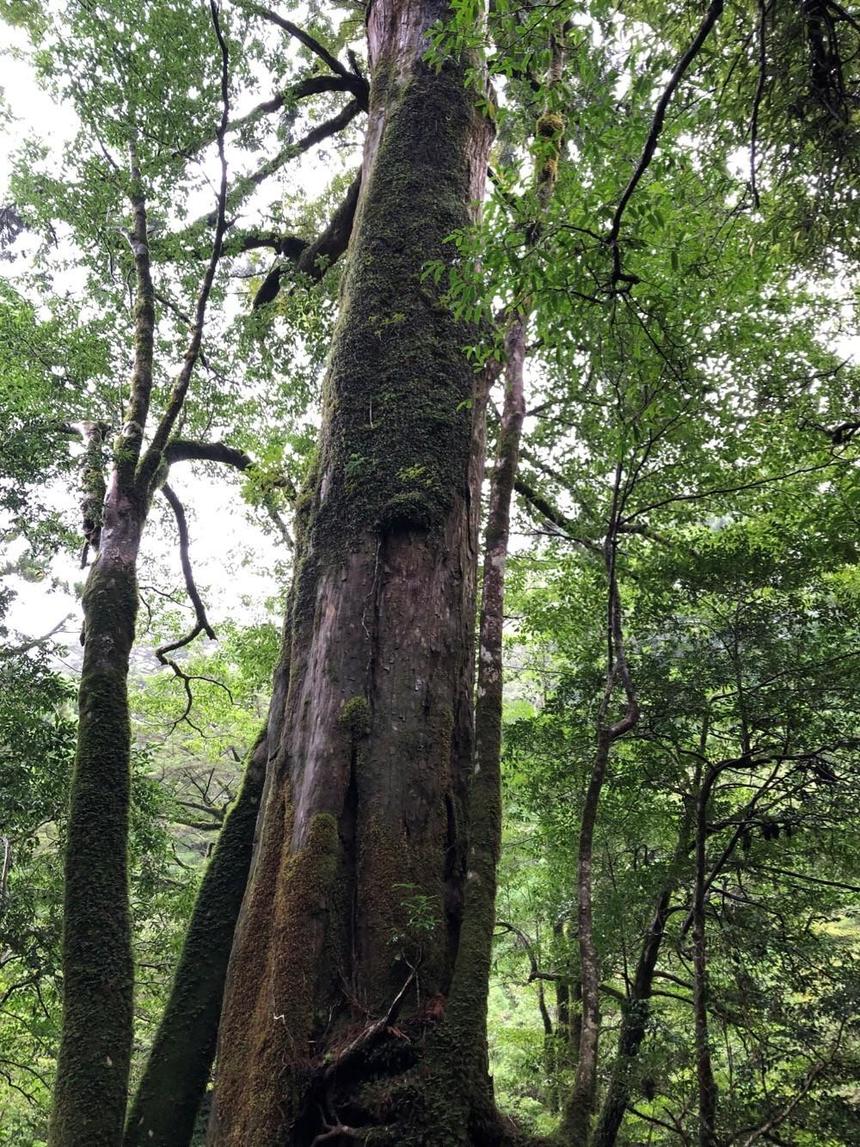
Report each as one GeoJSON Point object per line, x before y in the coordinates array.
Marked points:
{"type": "Point", "coordinates": [95, 1049]}
{"type": "Point", "coordinates": [174, 1082]}
{"type": "Point", "coordinates": [354, 909]}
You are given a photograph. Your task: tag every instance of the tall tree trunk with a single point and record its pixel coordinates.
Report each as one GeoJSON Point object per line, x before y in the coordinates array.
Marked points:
{"type": "Point", "coordinates": [707, 1087]}
{"type": "Point", "coordinates": [95, 1049]}
{"type": "Point", "coordinates": [353, 914]}
{"type": "Point", "coordinates": [576, 1124]}
{"type": "Point", "coordinates": [577, 1116]}
{"type": "Point", "coordinates": [174, 1082]}
{"type": "Point", "coordinates": [91, 1088]}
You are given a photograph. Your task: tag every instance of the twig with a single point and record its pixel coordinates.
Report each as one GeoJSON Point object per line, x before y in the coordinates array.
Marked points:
{"type": "Point", "coordinates": [33, 642]}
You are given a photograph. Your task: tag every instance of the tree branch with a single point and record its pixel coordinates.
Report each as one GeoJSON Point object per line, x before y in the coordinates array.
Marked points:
{"type": "Point", "coordinates": [563, 526]}
{"type": "Point", "coordinates": [310, 42]}
{"type": "Point", "coordinates": [314, 258]}
{"type": "Point", "coordinates": [188, 450]}
{"type": "Point", "coordinates": [131, 435]}
{"type": "Point", "coordinates": [152, 459]}
{"type": "Point", "coordinates": [711, 16]}
{"type": "Point", "coordinates": [202, 625]}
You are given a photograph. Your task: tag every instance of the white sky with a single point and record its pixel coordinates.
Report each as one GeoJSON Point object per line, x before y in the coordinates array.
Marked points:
{"type": "Point", "coordinates": [233, 561]}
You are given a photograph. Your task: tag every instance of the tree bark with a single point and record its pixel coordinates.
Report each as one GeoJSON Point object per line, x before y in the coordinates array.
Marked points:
{"type": "Point", "coordinates": [576, 1124]}
{"type": "Point", "coordinates": [636, 1010]}
{"type": "Point", "coordinates": [95, 1048]}
{"type": "Point", "coordinates": [707, 1088]}
{"type": "Point", "coordinates": [353, 914]}
{"type": "Point", "coordinates": [91, 1087]}
{"type": "Point", "coordinates": [577, 1116]}
{"type": "Point", "coordinates": [165, 1107]}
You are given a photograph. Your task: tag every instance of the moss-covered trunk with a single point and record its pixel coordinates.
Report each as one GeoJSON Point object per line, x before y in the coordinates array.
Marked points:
{"type": "Point", "coordinates": [165, 1107]}
{"type": "Point", "coordinates": [95, 1049]}
{"type": "Point", "coordinates": [350, 929]}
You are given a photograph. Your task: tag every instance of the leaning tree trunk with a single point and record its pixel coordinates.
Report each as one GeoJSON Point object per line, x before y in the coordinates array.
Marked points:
{"type": "Point", "coordinates": [353, 914]}
{"type": "Point", "coordinates": [164, 1110]}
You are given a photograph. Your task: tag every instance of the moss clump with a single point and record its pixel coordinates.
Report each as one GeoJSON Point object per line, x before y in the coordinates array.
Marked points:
{"type": "Point", "coordinates": [549, 170]}
{"type": "Point", "coordinates": [550, 125]}
{"type": "Point", "coordinates": [409, 511]}
{"type": "Point", "coordinates": [354, 716]}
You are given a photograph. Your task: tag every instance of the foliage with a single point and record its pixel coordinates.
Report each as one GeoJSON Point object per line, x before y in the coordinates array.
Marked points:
{"type": "Point", "coordinates": [691, 440]}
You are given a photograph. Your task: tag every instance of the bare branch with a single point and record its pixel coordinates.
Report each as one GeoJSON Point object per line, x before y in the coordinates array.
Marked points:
{"type": "Point", "coordinates": [711, 16]}
{"type": "Point", "coordinates": [152, 459]}
{"type": "Point", "coordinates": [202, 625]}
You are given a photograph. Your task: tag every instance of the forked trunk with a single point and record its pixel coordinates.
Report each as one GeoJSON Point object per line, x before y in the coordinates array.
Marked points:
{"type": "Point", "coordinates": [346, 948]}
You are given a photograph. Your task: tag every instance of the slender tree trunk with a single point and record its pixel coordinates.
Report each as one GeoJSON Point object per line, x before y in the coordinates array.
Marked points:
{"type": "Point", "coordinates": [353, 915]}
{"type": "Point", "coordinates": [636, 1010]}
{"type": "Point", "coordinates": [91, 1088]}
{"type": "Point", "coordinates": [707, 1087]}
{"type": "Point", "coordinates": [174, 1082]}
{"type": "Point", "coordinates": [576, 1124]}
{"type": "Point", "coordinates": [577, 1116]}
{"type": "Point", "coordinates": [95, 1049]}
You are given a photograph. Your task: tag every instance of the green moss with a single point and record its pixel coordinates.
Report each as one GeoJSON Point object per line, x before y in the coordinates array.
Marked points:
{"type": "Point", "coordinates": [177, 1071]}
{"type": "Point", "coordinates": [93, 1063]}
{"type": "Point", "coordinates": [409, 511]}
{"type": "Point", "coordinates": [307, 881]}
{"type": "Point", "coordinates": [394, 450]}
{"type": "Point", "coordinates": [354, 716]}
{"type": "Point", "coordinates": [550, 125]}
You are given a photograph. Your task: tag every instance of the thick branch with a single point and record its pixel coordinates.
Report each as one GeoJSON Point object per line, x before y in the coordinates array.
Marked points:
{"type": "Point", "coordinates": [188, 450]}
{"type": "Point", "coordinates": [311, 258]}
{"type": "Point", "coordinates": [301, 89]}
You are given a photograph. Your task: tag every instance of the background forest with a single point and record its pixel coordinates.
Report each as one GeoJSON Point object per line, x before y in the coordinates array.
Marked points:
{"type": "Point", "coordinates": [672, 219]}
